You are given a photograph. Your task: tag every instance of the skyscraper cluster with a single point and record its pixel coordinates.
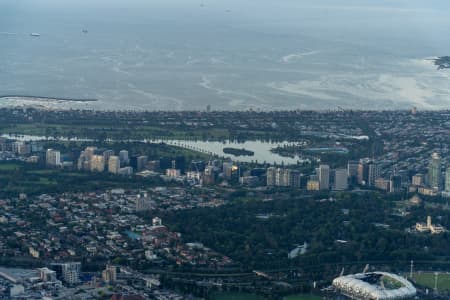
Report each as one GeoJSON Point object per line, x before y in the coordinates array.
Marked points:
{"type": "Point", "coordinates": [95, 160]}
{"type": "Point", "coordinates": [368, 171]}
{"type": "Point", "coordinates": [325, 178]}
{"type": "Point", "coordinates": [435, 181]}
{"type": "Point", "coordinates": [283, 177]}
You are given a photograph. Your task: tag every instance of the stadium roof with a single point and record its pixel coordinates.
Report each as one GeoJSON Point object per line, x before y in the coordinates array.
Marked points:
{"type": "Point", "coordinates": [362, 286]}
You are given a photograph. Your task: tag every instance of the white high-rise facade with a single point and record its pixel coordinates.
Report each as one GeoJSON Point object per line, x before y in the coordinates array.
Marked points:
{"type": "Point", "coordinates": [324, 177]}
{"type": "Point", "coordinates": [114, 164]}
{"type": "Point", "coordinates": [340, 179]}
{"type": "Point", "coordinates": [124, 158]}
{"type": "Point", "coordinates": [271, 174]}
{"type": "Point", "coordinates": [434, 171]}
{"type": "Point", "coordinates": [447, 180]}
{"type": "Point", "coordinates": [53, 158]}
{"type": "Point", "coordinates": [97, 163]}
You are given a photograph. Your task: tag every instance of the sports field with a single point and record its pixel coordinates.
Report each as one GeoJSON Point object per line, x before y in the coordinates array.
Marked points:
{"type": "Point", "coordinates": [427, 279]}
{"type": "Point", "coordinates": [302, 297]}
{"type": "Point", "coordinates": [243, 296]}
{"type": "Point", "coordinates": [236, 296]}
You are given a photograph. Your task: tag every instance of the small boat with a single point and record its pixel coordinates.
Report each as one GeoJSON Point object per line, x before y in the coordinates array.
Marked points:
{"type": "Point", "coordinates": [35, 34]}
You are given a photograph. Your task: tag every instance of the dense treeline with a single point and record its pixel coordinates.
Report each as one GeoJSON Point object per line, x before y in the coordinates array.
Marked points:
{"type": "Point", "coordinates": [240, 231]}
{"type": "Point", "coordinates": [26, 178]}
{"type": "Point", "coordinates": [218, 125]}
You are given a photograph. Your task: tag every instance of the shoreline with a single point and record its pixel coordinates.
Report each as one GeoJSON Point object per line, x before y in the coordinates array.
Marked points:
{"type": "Point", "coordinates": [442, 62]}
{"type": "Point", "coordinates": [46, 98]}
{"type": "Point", "coordinates": [39, 102]}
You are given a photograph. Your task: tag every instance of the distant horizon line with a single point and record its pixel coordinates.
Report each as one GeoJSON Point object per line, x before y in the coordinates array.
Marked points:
{"type": "Point", "coordinates": [337, 110]}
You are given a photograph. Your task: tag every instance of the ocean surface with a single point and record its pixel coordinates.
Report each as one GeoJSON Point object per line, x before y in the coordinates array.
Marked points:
{"type": "Point", "coordinates": [231, 55]}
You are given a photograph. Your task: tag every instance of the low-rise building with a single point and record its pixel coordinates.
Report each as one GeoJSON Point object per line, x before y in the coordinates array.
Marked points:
{"type": "Point", "coordinates": [430, 227]}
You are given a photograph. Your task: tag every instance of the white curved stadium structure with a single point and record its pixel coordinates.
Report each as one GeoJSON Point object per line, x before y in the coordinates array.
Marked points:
{"type": "Point", "coordinates": [375, 286]}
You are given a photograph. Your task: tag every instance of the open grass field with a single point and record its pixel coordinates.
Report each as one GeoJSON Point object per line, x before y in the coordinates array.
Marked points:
{"type": "Point", "coordinates": [427, 279]}
{"type": "Point", "coordinates": [302, 297]}
{"type": "Point", "coordinates": [8, 167]}
{"type": "Point", "coordinates": [20, 177]}
{"type": "Point", "coordinates": [236, 296]}
{"type": "Point", "coordinates": [41, 172]}
{"type": "Point", "coordinates": [244, 296]}
{"type": "Point", "coordinates": [115, 132]}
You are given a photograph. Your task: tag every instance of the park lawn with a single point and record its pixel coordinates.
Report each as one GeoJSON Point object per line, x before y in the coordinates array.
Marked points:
{"type": "Point", "coordinates": [9, 167]}
{"type": "Point", "coordinates": [302, 297]}
{"type": "Point", "coordinates": [32, 184]}
{"type": "Point", "coordinates": [50, 130]}
{"type": "Point", "coordinates": [37, 129]}
{"type": "Point", "coordinates": [427, 280]}
{"type": "Point", "coordinates": [72, 174]}
{"type": "Point", "coordinates": [236, 296]}
{"type": "Point", "coordinates": [47, 181]}
{"type": "Point", "coordinates": [42, 172]}
{"type": "Point", "coordinates": [80, 130]}
{"type": "Point", "coordinates": [185, 134]}
{"type": "Point", "coordinates": [243, 296]}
